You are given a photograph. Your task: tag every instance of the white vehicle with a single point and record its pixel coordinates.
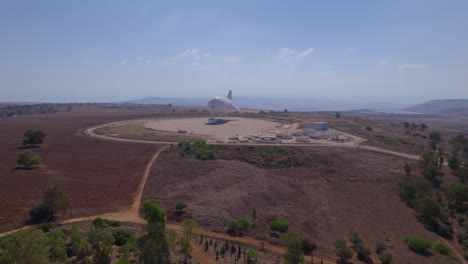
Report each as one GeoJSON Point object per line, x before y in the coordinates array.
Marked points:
{"type": "Point", "coordinates": [221, 105]}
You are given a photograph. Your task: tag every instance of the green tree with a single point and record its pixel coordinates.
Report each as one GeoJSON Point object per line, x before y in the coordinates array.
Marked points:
{"type": "Point", "coordinates": [407, 168]}
{"type": "Point", "coordinates": [416, 244]}
{"type": "Point", "coordinates": [186, 247]}
{"type": "Point", "coordinates": [457, 193]}
{"type": "Point", "coordinates": [434, 139]}
{"type": "Point", "coordinates": [27, 160]}
{"type": "Point", "coordinates": [410, 185]}
{"type": "Point", "coordinates": [24, 247]}
{"type": "Point", "coordinates": [33, 137]}
{"type": "Point", "coordinates": [308, 247]}
{"type": "Point", "coordinates": [236, 227]}
{"type": "Point", "coordinates": [123, 261]}
{"type": "Point", "coordinates": [102, 254]}
{"type": "Point", "coordinates": [122, 235]}
{"type": "Point", "coordinates": [98, 236]}
{"type": "Point", "coordinates": [406, 124]}
{"type": "Point", "coordinates": [462, 174]}
{"type": "Point", "coordinates": [429, 164]}
{"type": "Point", "coordinates": [151, 253]}
{"type": "Point", "coordinates": [279, 225]}
{"type": "Point", "coordinates": [131, 246]}
{"type": "Point", "coordinates": [428, 209]}
{"type": "Point", "coordinates": [55, 201]}
{"type": "Point", "coordinates": [337, 114]}
{"type": "Point", "coordinates": [57, 249]}
{"type": "Point", "coordinates": [254, 214]}
{"type": "Point", "coordinates": [342, 250]}
{"type": "Point", "coordinates": [153, 213]}
{"type": "Point", "coordinates": [189, 228]}
{"type": "Point", "coordinates": [454, 163]}
{"type": "Point", "coordinates": [180, 206]}
{"type": "Point", "coordinates": [423, 126]}
{"type": "Point", "coordinates": [294, 252]}
{"type": "Point", "coordinates": [252, 255]}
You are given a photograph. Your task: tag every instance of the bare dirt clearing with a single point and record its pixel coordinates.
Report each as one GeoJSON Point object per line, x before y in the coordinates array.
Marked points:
{"type": "Point", "coordinates": [233, 126]}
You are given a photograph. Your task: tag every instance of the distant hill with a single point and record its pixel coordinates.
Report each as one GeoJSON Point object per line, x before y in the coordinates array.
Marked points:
{"type": "Point", "coordinates": [277, 104]}
{"type": "Point", "coordinates": [446, 106]}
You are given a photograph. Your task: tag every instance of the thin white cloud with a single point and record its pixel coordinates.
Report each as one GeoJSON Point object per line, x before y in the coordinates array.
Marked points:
{"type": "Point", "coordinates": [188, 53]}
{"type": "Point", "coordinates": [195, 64]}
{"type": "Point", "coordinates": [232, 59]}
{"type": "Point", "coordinates": [412, 66]}
{"type": "Point", "coordinates": [325, 72]}
{"type": "Point", "coordinates": [166, 63]}
{"type": "Point", "coordinates": [207, 54]}
{"type": "Point", "coordinates": [209, 67]}
{"type": "Point", "coordinates": [123, 62]}
{"type": "Point", "coordinates": [384, 62]}
{"type": "Point", "coordinates": [284, 52]}
{"type": "Point", "coordinates": [306, 53]}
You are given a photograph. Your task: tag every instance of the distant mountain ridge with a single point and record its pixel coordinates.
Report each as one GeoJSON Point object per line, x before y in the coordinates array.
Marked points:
{"type": "Point", "coordinates": [277, 104]}
{"type": "Point", "coordinates": [443, 106]}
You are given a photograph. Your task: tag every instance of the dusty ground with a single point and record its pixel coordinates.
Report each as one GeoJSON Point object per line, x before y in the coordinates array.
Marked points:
{"type": "Point", "coordinates": [231, 126]}
{"type": "Point", "coordinates": [355, 191]}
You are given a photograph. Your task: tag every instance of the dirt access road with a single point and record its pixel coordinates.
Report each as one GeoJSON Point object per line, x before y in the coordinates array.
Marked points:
{"type": "Point", "coordinates": [355, 142]}
{"type": "Point", "coordinates": [132, 215]}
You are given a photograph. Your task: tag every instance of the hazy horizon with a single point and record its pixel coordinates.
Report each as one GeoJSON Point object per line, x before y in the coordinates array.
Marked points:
{"type": "Point", "coordinates": [402, 52]}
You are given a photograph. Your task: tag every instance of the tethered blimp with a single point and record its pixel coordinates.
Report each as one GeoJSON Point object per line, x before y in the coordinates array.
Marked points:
{"type": "Point", "coordinates": [220, 106]}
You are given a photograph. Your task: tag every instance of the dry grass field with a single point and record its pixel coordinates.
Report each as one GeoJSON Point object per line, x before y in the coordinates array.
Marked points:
{"type": "Point", "coordinates": [100, 176]}
{"type": "Point", "coordinates": [338, 191]}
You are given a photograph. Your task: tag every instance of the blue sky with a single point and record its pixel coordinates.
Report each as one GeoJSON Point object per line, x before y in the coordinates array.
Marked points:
{"type": "Point", "coordinates": [391, 51]}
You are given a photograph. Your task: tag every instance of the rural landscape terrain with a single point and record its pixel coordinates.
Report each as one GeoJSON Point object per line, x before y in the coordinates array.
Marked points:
{"type": "Point", "coordinates": [379, 199]}
{"type": "Point", "coordinates": [233, 132]}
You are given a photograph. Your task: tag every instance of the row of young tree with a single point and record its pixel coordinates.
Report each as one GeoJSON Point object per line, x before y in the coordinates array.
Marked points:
{"type": "Point", "coordinates": [363, 251]}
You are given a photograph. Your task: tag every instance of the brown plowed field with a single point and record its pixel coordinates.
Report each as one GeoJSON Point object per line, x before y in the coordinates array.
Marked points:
{"type": "Point", "coordinates": [356, 190]}
{"type": "Point", "coordinates": [99, 175]}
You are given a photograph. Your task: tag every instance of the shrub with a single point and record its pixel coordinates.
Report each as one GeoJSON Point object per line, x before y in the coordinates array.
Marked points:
{"type": "Point", "coordinates": [238, 226]}
{"type": "Point", "coordinates": [98, 235]}
{"type": "Point", "coordinates": [441, 247]}
{"type": "Point", "coordinates": [369, 128]}
{"type": "Point", "coordinates": [251, 254]}
{"type": "Point", "coordinates": [46, 227]}
{"type": "Point", "coordinates": [280, 225]}
{"type": "Point", "coordinates": [104, 223]}
{"type": "Point", "coordinates": [122, 235]}
{"type": "Point", "coordinates": [123, 261]}
{"type": "Point", "coordinates": [385, 257]}
{"type": "Point", "coordinates": [380, 246]}
{"type": "Point", "coordinates": [417, 244]}
{"type": "Point", "coordinates": [180, 206]}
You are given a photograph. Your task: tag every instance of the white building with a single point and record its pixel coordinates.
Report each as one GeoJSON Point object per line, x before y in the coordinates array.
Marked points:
{"type": "Point", "coordinates": [318, 126]}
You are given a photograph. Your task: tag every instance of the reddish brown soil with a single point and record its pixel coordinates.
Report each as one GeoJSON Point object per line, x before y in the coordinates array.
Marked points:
{"type": "Point", "coordinates": [360, 195]}
{"type": "Point", "coordinates": [100, 176]}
